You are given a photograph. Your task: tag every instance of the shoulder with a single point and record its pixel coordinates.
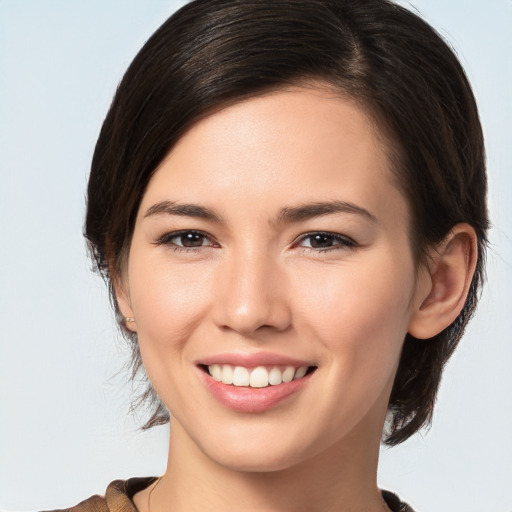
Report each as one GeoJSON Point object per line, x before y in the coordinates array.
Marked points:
{"type": "Point", "coordinates": [118, 497]}
{"type": "Point", "coordinates": [394, 503]}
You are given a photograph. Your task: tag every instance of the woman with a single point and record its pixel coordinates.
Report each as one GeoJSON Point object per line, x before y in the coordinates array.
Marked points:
{"type": "Point", "coordinates": [288, 202]}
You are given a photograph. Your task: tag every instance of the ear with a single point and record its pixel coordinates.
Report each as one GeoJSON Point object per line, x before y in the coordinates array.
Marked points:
{"type": "Point", "coordinates": [443, 286]}
{"type": "Point", "coordinates": [122, 296]}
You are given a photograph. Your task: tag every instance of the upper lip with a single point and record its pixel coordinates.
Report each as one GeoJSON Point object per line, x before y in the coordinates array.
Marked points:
{"type": "Point", "coordinates": [253, 360]}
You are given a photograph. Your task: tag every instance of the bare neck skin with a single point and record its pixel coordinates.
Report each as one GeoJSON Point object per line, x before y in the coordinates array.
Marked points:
{"type": "Point", "coordinates": [338, 479]}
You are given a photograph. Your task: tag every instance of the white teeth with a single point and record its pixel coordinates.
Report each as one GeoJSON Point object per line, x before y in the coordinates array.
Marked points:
{"type": "Point", "coordinates": [288, 374]}
{"type": "Point", "coordinates": [275, 377]}
{"type": "Point", "coordinates": [300, 372]}
{"type": "Point", "coordinates": [216, 372]}
{"type": "Point", "coordinates": [240, 376]}
{"type": "Point", "coordinates": [227, 374]}
{"type": "Point", "coordinates": [259, 377]}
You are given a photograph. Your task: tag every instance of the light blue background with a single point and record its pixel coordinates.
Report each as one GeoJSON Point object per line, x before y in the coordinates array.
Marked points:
{"type": "Point", "coordinates": [64, 428]}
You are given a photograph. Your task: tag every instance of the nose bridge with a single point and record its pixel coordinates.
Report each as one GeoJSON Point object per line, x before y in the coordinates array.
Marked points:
{"type": "Point", "coordinates": [253, 294]}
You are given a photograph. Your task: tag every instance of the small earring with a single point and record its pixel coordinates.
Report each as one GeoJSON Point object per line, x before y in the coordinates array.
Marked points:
{"type": "Point", "coordinates": [129, 319]}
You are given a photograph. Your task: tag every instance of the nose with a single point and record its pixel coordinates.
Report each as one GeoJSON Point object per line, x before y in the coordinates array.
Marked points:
{"type": "Point", "coordinates": [252, 294]}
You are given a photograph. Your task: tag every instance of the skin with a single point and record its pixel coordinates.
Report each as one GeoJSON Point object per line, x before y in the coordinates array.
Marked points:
{"type": "Point", "coordinates": [255, 283]}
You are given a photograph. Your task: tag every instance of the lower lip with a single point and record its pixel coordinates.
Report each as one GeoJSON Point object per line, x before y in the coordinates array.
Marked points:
{"type": "Point", "coordinates": [247, 399]}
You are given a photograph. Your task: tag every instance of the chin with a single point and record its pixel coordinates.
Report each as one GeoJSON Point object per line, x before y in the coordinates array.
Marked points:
{"type": "Point", "coordinates": [255, 461]}
{"type": "Point", "coordinates": [253, 453]}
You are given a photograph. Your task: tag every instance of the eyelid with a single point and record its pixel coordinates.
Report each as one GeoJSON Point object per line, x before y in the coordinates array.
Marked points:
{"type": "Point", "coordinates": [346, 241]}
{"type": "Point", "coordinates": [166, 239]}
{"type": "Point", "coordinates": [341, 241]}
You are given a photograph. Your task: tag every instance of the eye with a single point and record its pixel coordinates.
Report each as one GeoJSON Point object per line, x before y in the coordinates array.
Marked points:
{"type": "Point", "coordinates": [183, 240]}
{"type": "Point", "coordinates": [325, 241]}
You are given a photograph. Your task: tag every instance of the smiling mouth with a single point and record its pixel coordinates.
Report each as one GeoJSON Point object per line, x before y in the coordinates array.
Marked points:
{"type": "Point", "coordinates": [258, 377]}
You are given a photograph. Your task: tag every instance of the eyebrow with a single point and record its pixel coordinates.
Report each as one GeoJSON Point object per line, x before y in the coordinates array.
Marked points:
{"type": "Point", "coordinates": [183, 210]}
{"type": "Point", "coordinates": [311, 210]}
{"type": "Point", "coordinates": [288, 214]}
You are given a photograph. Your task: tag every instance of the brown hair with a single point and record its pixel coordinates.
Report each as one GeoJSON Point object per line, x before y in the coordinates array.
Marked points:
{"type": "Point", "coordinates": [214, 52]}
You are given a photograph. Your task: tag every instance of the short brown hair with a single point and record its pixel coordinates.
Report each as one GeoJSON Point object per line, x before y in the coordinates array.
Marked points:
{"type": "Point", "coordinates": [214, 52]}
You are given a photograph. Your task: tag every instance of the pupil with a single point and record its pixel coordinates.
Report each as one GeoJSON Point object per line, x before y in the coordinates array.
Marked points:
{"type": "Point", "coordinates": [320, 241]}
{"type": "Point", "coordinates": [192, 240]}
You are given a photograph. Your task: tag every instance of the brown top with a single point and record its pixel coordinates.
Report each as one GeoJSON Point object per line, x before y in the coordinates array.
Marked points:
{"type": "Point", "coordinates": [119, 494]}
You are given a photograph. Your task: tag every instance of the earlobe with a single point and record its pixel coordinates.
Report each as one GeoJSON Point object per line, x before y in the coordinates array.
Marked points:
{"type": "Point", "coordinates": [124, 303]}
{"type": "Point", "coordinates": [444, 286]}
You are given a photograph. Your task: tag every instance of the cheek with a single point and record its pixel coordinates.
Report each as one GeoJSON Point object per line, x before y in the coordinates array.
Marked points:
{"type": "Point", "coordinates": [168, 306]}
{"type": "Point", "coordinates": [359, 310]}
{"type": "Point", "coordinates": [167, 303]}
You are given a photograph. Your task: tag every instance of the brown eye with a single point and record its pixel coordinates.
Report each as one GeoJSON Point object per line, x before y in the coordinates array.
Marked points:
{"type": "Point", "coordinates": [190, 239]}
{"type": "Point", "coordinates": [321, 241]}
{"type": "Point", "coordinates": [325, 241]}
{"type": "Point", "coordinates": [186, 240]}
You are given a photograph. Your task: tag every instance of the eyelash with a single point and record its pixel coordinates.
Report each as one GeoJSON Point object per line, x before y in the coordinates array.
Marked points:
{"type": "Point", "coordinates": [167, 240]}
{"type": "Point", "coordinates": [339, 241]}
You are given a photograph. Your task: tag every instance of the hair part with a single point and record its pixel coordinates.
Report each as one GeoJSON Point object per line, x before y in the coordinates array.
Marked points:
{"type": "Point", "coordinates": [212, 53]}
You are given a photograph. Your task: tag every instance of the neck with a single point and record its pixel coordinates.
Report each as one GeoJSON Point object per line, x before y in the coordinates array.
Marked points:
{"type": "Point", "coordinates": [341, 478]}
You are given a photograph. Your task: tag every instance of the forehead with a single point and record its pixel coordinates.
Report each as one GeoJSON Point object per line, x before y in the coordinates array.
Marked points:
{"type": "Point", "coordinates": [294, 145]}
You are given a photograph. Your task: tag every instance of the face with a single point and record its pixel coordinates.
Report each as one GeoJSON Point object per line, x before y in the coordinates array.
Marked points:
{"type": "Point", "coordinates": [272, 245]}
